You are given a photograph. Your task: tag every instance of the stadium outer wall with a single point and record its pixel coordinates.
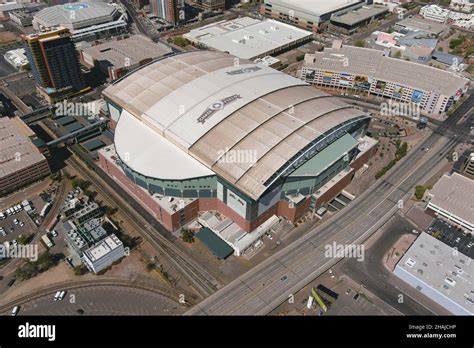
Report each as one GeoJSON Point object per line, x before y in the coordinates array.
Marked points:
{"type": "Point", "coordinates": [174, 221]}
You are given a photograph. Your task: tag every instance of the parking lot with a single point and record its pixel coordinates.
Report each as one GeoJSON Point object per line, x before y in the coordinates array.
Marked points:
{"type": "Point", "coordinates": [15, 225]}
{"type": "Point", "coordinates": [453, 236]}
{"type": "Point", "coordinates": [100, 300]}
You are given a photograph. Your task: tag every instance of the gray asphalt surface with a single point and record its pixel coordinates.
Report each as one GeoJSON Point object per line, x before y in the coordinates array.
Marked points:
{"type": "Point", "coordinates": [263, 288]}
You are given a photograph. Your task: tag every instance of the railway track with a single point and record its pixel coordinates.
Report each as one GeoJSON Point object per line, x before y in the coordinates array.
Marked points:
{"type": "Point", "coordinates": [111, 282]}
{"type": "Point", "coordinates": [199, 279]}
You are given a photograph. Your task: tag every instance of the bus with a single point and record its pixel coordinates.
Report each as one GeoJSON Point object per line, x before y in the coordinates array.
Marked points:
{"type": "Point", "coordinates": [327, 291]}
{"type": "Point", "coordinates": [45, 209]}
{"type": "Point", "coordinates": [47, 241]}
{"type": "Point", "coordinates": [319, 300]}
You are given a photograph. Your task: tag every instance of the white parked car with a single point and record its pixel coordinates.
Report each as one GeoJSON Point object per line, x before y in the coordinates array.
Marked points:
{"type": "Point", "coordinates": [15, 310]}
{"type": "Point", "coordinates": [56, 295]}
{"type": "Point", "coordinates": [15, 221]}
{"type": "Point", "coordinates": [54, 233]}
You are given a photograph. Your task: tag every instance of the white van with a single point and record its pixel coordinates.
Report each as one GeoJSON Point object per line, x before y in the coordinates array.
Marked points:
{"type": "Point", "coordinates": [56, 295]}
{"type": "Point", "coordinates": [15, 310]}
{"type": "Point", "coordinates": [61, 295]}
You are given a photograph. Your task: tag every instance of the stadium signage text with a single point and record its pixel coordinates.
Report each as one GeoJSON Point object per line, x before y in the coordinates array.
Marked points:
{"type": "Point", "coordinates": [244, 70]}
{"type": "Point", "coordinates": [216, 106]}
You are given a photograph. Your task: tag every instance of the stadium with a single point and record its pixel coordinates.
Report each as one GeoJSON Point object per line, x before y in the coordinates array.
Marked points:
{"type": "Point", "coordinates": [195, 132]}
{"type": "Point", "coordinates": [83, 19]}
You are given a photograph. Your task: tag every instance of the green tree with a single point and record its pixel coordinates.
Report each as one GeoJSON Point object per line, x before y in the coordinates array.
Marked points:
{"type": "Point", "coordinates": [109, 210]}
{"type": "Point", "coordinates": [187, 236]}
{"type": "Point", "coordinates": [21, 239]}
{"type": "Point", "coordinates": [420, 191]}
{"type": "Point", "coordinates": [359, 43]}
{"type": "Point", "coordinates": [180, 41]}
{"type": "Point", "coordinates": [80, 270]}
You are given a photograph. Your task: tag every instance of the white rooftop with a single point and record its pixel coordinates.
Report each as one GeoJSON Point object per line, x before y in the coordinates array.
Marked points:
{"type": "Point", "coordinates": [447, 272]}
{"type": "Point", "coordinates": [76, 15]}
{"type": "Point", "coordinates": [246, 37]}
{"type": "Point", "coordinates": [103, 248]}
{"type": "Point", "coordinates": [455, 194]}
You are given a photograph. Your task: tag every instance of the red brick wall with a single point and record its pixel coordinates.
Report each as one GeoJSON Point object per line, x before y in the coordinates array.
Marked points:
{"type": "Point", "coordinates": [365, 158]}
{"type": "Point", "coordinates": [333, 191]}
{"type": "Point", "coordinates": [206, 204]}
{"type": "Point", "coordinates": [227, 211]}
{"type": "Point", "coordinates": [293, 214]}
{"type": "Point", "coordinates": [145, 200]}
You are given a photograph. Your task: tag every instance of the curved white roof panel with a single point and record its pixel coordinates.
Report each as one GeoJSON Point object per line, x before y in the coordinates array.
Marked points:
{"type": "Point", "coordinates": [203, 108]}
{"type": "Point", "coordinates": [153, 155]}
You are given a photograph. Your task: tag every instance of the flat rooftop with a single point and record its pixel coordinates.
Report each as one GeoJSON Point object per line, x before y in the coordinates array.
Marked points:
{"type": "Point", "coordinates": [448, 273]}
{"type": "Point", "coordinates": [103, 248]}
{"type": "Point", "coordinates": [359, 15]}
{"type": "Point", "coordinates": [17, 152]}
{"type": "Point", "coordinates": [246, 37]}
{"type": "Point", "coordinates": [371, 62]}
{"type": "Point", "coordinates": [129, 51]}
{"type": "Point", "coordinates": [315, 7]}
{"type": "Point", "coordinates": [455, 194]}
{"type": "Point", "coordinates": [423, 24]}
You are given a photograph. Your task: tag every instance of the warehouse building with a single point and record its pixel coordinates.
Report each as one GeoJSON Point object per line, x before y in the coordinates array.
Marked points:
{"type": "Point", "coordinates": [440, 273]}
{"type": "Point", "coordinates": [423, 27]}
{"type": "Point", "coordinates": [451, 199]}
{"type": "Point", "coordinates": [116, 58]}
{"type": "Point", "coordinates": [21, 162]}
{"type": "Point", "coordinates": [372, 71]}
{"type": "Point", "coordinates": [349, 22]}
{"type": "Point", "coordinates": [308, 14]}
{"type": "Point", "coordinates": [249, 38]}
{"type": "Point", "coordinates": [196, 133]}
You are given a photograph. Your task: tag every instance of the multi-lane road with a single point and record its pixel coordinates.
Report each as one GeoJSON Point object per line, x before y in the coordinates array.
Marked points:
{"type": "Point", "coordinates": [263, 288]}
